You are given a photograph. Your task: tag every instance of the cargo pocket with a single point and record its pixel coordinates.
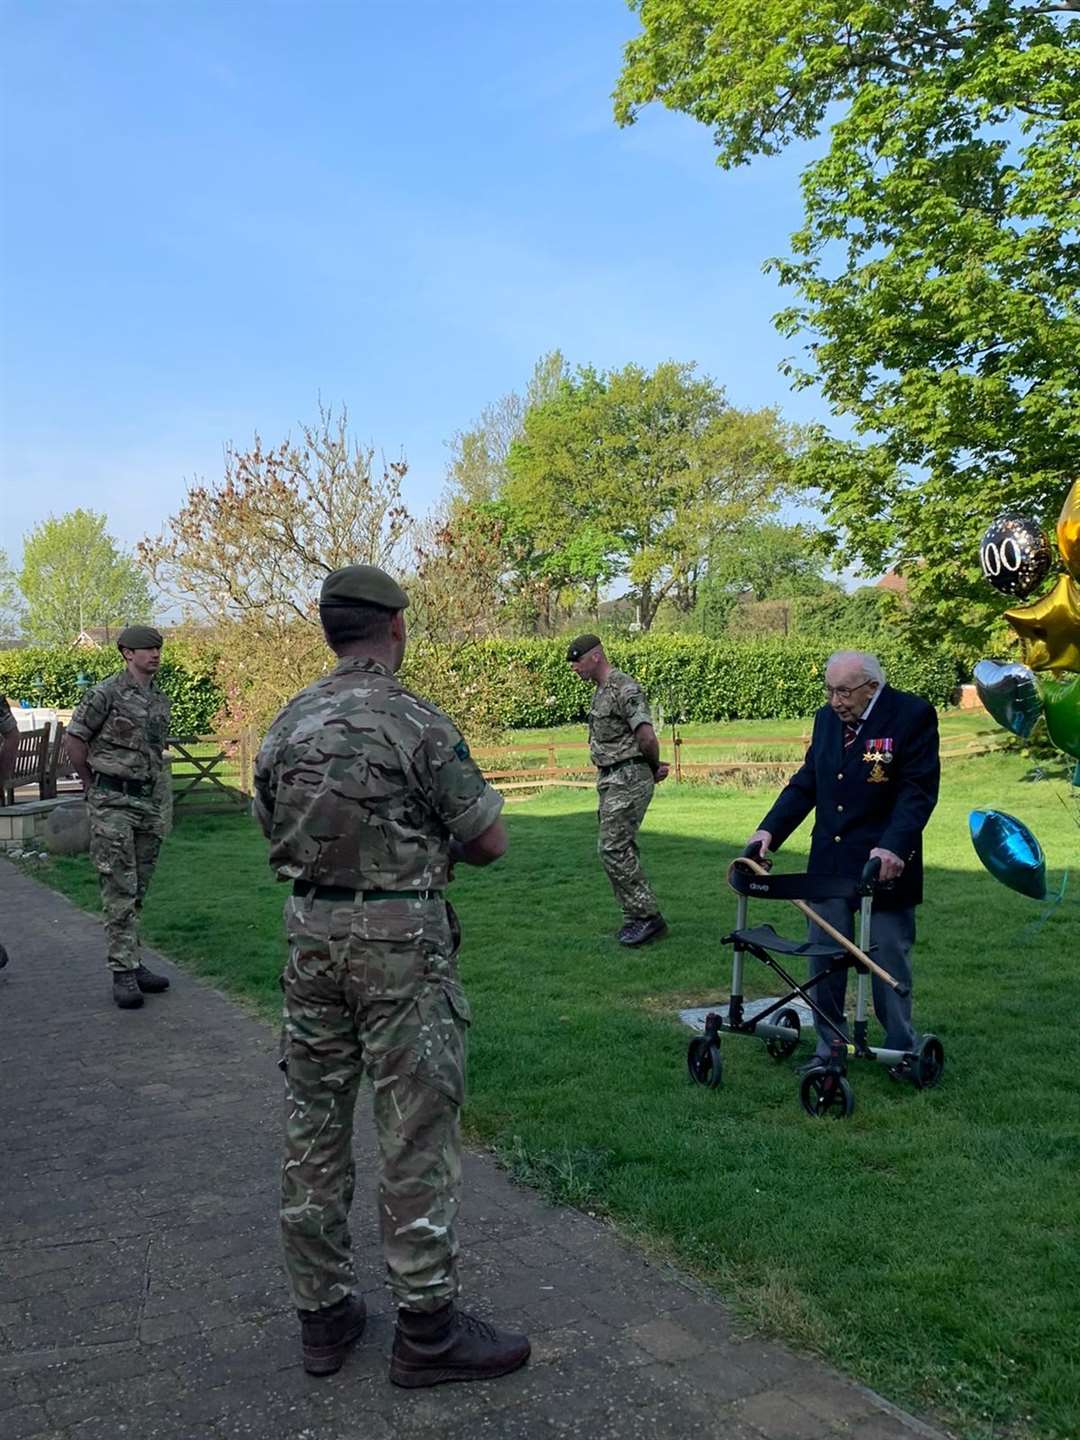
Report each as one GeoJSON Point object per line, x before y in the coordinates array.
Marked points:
{"type": "Point", "coordinates": [424, 1040]}
{"type": "Point", "coordinates": [443, 1047]}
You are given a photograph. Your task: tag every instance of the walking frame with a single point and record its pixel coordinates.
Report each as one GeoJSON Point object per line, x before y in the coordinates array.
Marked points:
{"type": "Point", "coordinates": [824, 1088]}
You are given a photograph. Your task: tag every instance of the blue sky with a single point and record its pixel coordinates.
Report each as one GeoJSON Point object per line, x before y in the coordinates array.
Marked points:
{"type": "Point", "coordinates": [215, 213]}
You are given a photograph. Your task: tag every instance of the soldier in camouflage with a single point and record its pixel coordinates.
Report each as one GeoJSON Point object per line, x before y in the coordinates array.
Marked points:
{"type": "Point", "coordinates": [9, 746]}
{"type": "Point", "coordinates": [626, 753]}
{"type": "Point", "coordinates": [116, 741]}
{"type": "Point", "coordinates": [368, 796]}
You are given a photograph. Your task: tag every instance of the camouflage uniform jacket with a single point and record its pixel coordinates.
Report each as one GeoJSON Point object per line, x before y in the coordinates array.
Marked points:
{"type": "Point", "coordinates": [7, 719]}
{"type": "Point", "coordinates": [618, 708]}
{"type": "Point", "coordinates": [125, 726]}
{"type": "Point", "coordinates": [361, 783]}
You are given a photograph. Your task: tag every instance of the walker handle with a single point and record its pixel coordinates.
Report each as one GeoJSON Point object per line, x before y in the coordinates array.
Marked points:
{"type": "Point", "coordinates": [870, 872]}
{"type": "Point", "coordinates": [754, 852]}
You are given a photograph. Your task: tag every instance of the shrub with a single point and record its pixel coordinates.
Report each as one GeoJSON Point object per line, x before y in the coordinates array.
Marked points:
{"type": "Point", "coordinates": [50, 677]}
{"type": "Point", "coordinates": [690, 678]}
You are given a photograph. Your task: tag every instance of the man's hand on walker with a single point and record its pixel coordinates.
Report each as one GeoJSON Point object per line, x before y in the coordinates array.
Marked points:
{"type": "Point", "coordinates": [892, 867]}
{"type": "Point", "coordinates": [760, 841]}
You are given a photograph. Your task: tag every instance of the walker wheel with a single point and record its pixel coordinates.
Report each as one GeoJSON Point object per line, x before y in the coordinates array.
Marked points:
{"type": "Point", "coordinates": [705, 1063]}
{"type": "Point", "coordinates": [781, 1049]}
{"type": "Point", "coordinates": [823, 1092]}
{"type": "Point", "coordinates": [928, 1067]}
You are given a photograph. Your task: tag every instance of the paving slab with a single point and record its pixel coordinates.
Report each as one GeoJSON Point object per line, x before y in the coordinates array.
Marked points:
{"type": "Point", "coordinates": [142, 1295]}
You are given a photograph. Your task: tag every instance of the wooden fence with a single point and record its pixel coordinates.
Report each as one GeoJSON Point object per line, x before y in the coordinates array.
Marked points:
{"type": "Point", "coordinates": [213, 773]}
{"type": "Point", "coordinates": [498, 762]}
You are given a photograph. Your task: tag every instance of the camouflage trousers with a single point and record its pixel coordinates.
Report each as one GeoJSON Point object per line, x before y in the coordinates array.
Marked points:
{"type": "Point", "coordinates": [624, 797]}
{"type": "Point", "coordinates": [371, 987]}
{"type": "Point", "coordinates": [125, 839]}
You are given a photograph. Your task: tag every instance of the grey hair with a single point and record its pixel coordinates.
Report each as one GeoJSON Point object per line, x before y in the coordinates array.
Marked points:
{"type": "Point", "coordinates": [869, 665]}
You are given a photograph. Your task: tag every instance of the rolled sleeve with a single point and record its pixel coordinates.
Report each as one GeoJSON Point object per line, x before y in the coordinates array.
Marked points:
{"type": "Point", "coordinates": [480, 816]}
{"type": "Point", "coordinates": [635, 707]}
{"type": "Point", "coordinates": [460, 796]}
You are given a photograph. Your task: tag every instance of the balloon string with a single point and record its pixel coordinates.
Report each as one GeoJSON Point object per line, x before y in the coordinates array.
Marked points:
{"type": "Point", "coordinates": [1074, 794]}
{"type": "Point", "coordinates": [1033, 927]}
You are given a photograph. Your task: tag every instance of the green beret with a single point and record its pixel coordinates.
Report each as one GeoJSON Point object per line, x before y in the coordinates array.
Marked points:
{"type": "Point", "coordinates": [362, 585]}
{"type": "Point", "coordinates": [139, 637]}
{"type": "Point", "coordinates": [581, 646]}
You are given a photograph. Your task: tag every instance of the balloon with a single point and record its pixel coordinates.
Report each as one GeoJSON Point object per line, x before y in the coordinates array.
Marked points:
{"type": "Point", "coordinates": [1068, 531]}
{"type": "Point", "coordinates": [1015, 555]}
{"type": "Point", "coordinates": [1009, 851]}
{"type": "Point", "coordinates": [1061, 697]}
{"type": "Point", "coordinates": [1050, 629]}
{"type": "Point", "coordinates": [1011, 694]}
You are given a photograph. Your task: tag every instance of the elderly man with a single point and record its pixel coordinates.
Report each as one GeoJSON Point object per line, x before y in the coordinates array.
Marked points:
{"type": "Point", "coordinates": [871, 776]}
{"type": "Point", "coordinates": [624, 748]}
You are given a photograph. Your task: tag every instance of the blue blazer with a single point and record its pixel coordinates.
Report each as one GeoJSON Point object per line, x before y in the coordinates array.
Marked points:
{"type": "Point", "coordinates": [854, 812]}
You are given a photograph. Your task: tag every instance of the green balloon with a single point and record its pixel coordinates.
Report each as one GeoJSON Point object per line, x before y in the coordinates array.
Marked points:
{"type": "Point", "coordinates": [1061, 702]}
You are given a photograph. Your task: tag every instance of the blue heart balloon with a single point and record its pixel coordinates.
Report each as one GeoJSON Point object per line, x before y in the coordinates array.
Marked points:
{"type": "Point", "coordinates": [1009, 851]}
{"type": "Point", "coordinates": [1010, 692]}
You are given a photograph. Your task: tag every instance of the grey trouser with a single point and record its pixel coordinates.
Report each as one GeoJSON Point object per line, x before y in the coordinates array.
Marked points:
{"type": "Point", "coordinates": [892, 934]}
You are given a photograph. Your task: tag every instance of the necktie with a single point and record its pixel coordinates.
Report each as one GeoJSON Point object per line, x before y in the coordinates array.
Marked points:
{"type": "Point", "coordinates": [850, 732]}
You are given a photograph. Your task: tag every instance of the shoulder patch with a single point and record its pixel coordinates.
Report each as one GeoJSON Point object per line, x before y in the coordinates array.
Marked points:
{"type": "Point", "coordinates": [461, 750]}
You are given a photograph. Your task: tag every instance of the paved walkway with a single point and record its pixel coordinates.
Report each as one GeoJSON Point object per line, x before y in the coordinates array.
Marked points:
{"type": "Point", "coordinates": [141, 1290]}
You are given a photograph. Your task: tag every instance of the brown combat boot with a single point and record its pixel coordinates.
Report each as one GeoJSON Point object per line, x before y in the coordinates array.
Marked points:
{"type": "Point", "coordinates": [125, 990]}
{"type": "Point", "coordinates": [450, 1344]}
{"type": "Point", "coordinates": [325, 1334]}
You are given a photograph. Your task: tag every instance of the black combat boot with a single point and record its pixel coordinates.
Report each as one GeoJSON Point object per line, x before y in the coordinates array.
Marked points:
{"type": "Point", "coordinates": [450, 1344]}
{"type": "Point", "coordinates": [148, 982]}
{"type": "Point", "coordinates": [125, 990]}
{"type": "Point", "coordinates": [325, 1333]}
{"type": "Point", "coordinates": [640, 932]}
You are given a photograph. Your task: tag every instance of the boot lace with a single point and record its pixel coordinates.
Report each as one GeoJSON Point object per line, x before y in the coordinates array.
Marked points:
{"type": "Point", "coordinates": [475, 1326]}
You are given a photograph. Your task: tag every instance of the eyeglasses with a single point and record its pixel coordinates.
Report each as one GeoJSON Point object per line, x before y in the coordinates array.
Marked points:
{"type": "Point", "coordinates": [845, 692]}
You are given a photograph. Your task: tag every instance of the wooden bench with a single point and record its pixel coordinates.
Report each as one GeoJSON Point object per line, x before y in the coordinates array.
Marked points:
{"type": "Point", "coordinates": [31, 763]}
{"type": "Point", "coordinates": [42, 759]}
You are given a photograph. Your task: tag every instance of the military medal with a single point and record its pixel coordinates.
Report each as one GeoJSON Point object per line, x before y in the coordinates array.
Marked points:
{"type": "Point", "coordinates": [879, 753]}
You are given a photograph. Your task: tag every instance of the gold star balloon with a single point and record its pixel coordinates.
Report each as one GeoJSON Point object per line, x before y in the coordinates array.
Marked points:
{"type": "Point", "coordinates": [1068, 531]}
{"type": "Point", "coordinates": [1050, 629]}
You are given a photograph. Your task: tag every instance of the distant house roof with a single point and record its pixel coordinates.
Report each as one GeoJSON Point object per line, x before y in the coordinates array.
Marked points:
{"type": "Point", "coordinates": [92, 638]}
{"type": "Point", "coordinates": [893, 581]}
{"type": "Point", "coordinates": [619, 606]}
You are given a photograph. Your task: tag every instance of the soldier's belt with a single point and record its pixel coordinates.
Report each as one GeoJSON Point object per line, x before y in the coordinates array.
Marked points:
{"type": "Point", "coordinates": [342, 893]}
{"type": "Point", "coordinates": [630, 760]}
{"type": "Point", "coordinates": [122, 786]}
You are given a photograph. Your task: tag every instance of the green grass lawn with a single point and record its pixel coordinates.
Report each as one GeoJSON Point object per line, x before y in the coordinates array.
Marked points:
{"type": "Point", "coordinates": [927, 1246]}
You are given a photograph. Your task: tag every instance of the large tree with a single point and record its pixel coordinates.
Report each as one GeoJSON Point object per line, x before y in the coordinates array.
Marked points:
{"type": "Point", "coordinates": [532, 581]}
{"type": "Point", "coordinates": [11, 601]}
{"type": "Point", "coordinates": [636, 473]}
{"type": "Point", "coordinates": [937, 270]}
{"type": "Point", "coordinates": [247, 555]}
{"type": "Point", "coordinates": [477, 470]}
{"type": "Point", "coordinates": [75, 577]}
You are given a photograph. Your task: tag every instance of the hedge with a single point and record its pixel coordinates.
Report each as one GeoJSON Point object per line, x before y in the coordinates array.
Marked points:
{"type": "Point", "coordinates": [689, 677]}
{"type": "Point", "coordinates": [50, 678]}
